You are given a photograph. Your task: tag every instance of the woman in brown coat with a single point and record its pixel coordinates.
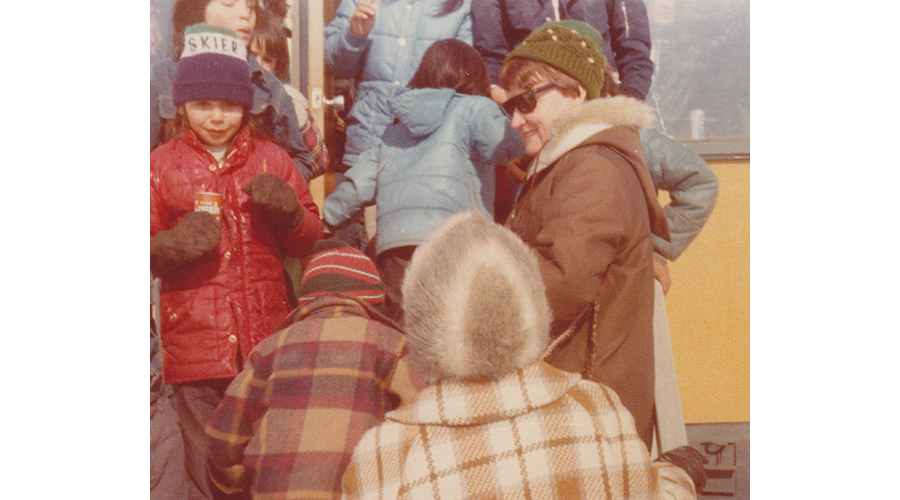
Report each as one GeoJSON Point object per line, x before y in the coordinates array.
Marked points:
{"type": "Point", "coordinates": [588, 206]}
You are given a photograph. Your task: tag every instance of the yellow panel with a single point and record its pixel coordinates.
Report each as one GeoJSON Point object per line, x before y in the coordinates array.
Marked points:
{"type": "Point", "coordinates": [317, 188]}
{"type": "Point", "coordinates": [709, 307]}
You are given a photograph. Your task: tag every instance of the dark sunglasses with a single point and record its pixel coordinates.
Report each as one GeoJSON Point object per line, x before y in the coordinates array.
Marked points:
{"type": "Point", "coordinates": [526, 101]}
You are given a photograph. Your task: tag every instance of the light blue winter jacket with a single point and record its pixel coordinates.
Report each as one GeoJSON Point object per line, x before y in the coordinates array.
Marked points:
{"type": "Point", "coordinates": [693, 188]}
{"type": "Point", "coordinates": [386, 60]}
{"type": "Point", "coordinates": [437, 160]}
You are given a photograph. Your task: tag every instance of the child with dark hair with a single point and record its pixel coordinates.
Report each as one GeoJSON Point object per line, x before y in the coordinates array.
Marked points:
{"type": "Point", "coordinates": [269, 43]}
{"type": "Point", "coordinates": [437, 159]}
{"type": "Point", "coordinates": [223, 285]}
{"type": "Point", "coordinates": [452, 64]}
{"type": "Point", "coordinates": [380, 44]}
{"type": "Point", "coordinates": [270, 46]}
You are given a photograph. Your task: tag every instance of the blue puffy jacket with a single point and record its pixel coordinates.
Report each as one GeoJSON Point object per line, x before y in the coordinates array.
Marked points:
{"type": "Point", "coordinates": [437, 160]}
{"type": "Point", "coordinates": [693, 189]}
{"type": "Point", "coordinates": [500, 25]}
{"type": "Point", "coordinates": [386, 60]}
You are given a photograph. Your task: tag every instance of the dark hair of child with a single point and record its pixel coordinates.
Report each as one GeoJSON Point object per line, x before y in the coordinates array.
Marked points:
{"type": "Point", "coordinates": [271, 37]}
{"type": "Point", "coordinates": [452, 64]}
{"type": "Point", "coordinates": [449, 6]}
{"type": "Point", "coordinates": [185, 13]}
{"type": "Point", "coordinates": [277, 7]}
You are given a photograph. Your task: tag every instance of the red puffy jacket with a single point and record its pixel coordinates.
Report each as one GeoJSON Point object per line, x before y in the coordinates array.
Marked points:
{"type": "Point", "coordinates": [216, 310]}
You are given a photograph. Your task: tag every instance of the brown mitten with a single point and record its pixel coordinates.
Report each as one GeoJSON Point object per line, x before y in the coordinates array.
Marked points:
{"type": "Point", "coordinates": [196, 234]}
{"type": "Point", "coordinates": [691, 461]}
{"type": "Point", "coordinates": [274, 196]}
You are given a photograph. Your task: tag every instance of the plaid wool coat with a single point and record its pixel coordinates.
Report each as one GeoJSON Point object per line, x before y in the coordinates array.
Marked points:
{"type": "Point", "coordinates": [538, 433]}
{"type": "Point", "coordinates": [288, 423]}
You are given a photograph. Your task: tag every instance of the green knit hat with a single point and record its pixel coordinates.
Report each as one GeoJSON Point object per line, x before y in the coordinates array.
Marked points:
{"type": "Point", "coordinates": [571, 46]}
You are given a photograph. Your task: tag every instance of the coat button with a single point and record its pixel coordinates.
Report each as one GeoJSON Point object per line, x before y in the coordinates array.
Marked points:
{"type": "Point", "coordinates": [401, 42]}
{"type": "Point", "coordinates": [232, 338]}
{"type": "Point", "coordinates": [212, 167]}
{"type": "Point", "coordinates": [227, 255]}
{"type": "Point", "coordinates": [409, 6]}
{"type": "Point", "coordinates": [173, 316]}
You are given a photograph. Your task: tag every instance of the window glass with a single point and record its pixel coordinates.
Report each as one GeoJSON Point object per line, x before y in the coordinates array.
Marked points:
{"type": "Point", "coordinates": [701, 82]}
{"type": "Point", "coordinates": [160, 30]}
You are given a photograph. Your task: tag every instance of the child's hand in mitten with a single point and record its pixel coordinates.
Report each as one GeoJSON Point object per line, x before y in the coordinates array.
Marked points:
{"type": "Point", "coordinates": [274, 196]}
{"type": "Point", "coordinates": [195, 235]}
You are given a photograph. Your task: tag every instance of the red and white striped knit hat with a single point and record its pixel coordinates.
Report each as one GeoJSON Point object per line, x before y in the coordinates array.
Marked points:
{"type": "Point", "coordinates": [340, 268]}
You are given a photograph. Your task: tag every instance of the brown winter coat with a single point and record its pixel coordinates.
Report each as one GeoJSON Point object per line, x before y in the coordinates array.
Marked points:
{"type": "Point", "coordinates": [588, 208]}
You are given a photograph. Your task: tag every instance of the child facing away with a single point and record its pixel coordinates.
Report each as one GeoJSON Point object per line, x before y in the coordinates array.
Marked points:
{"type": "Point", "coordinates": [289, 422]}
{"type": "Point", "coordinates": [437, 159]}
{"type": "Point", "coordinates": [380, 44]}
{"type": "Point", "coordinates": [270, 46]}
{"type": "Point", "coordinates": [223, 285]}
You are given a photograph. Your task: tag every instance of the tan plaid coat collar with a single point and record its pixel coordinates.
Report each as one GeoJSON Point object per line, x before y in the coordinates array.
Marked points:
{"type": "Point", "coordinates": [477, 402]}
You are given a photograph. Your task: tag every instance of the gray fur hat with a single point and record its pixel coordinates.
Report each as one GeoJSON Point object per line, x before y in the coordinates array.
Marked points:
{"type": "Point", "coordinates": [474, 302]}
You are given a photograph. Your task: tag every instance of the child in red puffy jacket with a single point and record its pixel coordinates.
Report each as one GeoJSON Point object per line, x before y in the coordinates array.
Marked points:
{"type": "Point", "coordinates": [223, 281]}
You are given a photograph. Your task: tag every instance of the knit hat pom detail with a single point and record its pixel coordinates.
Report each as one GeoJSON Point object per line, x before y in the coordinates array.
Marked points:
{"type": "Point", "coordinates": [573, 47]}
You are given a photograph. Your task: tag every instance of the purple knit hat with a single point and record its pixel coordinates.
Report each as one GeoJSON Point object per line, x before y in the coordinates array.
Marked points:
{"type": "Point", "coordinates": [213, 66]}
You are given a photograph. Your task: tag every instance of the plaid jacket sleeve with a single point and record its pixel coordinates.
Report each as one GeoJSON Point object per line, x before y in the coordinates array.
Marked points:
{"type": "Point", "coordinates": [315, 143]}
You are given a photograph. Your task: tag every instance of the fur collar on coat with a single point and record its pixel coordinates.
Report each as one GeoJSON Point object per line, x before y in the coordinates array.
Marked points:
{"type": "Point", "coordinates": [585, 120]}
